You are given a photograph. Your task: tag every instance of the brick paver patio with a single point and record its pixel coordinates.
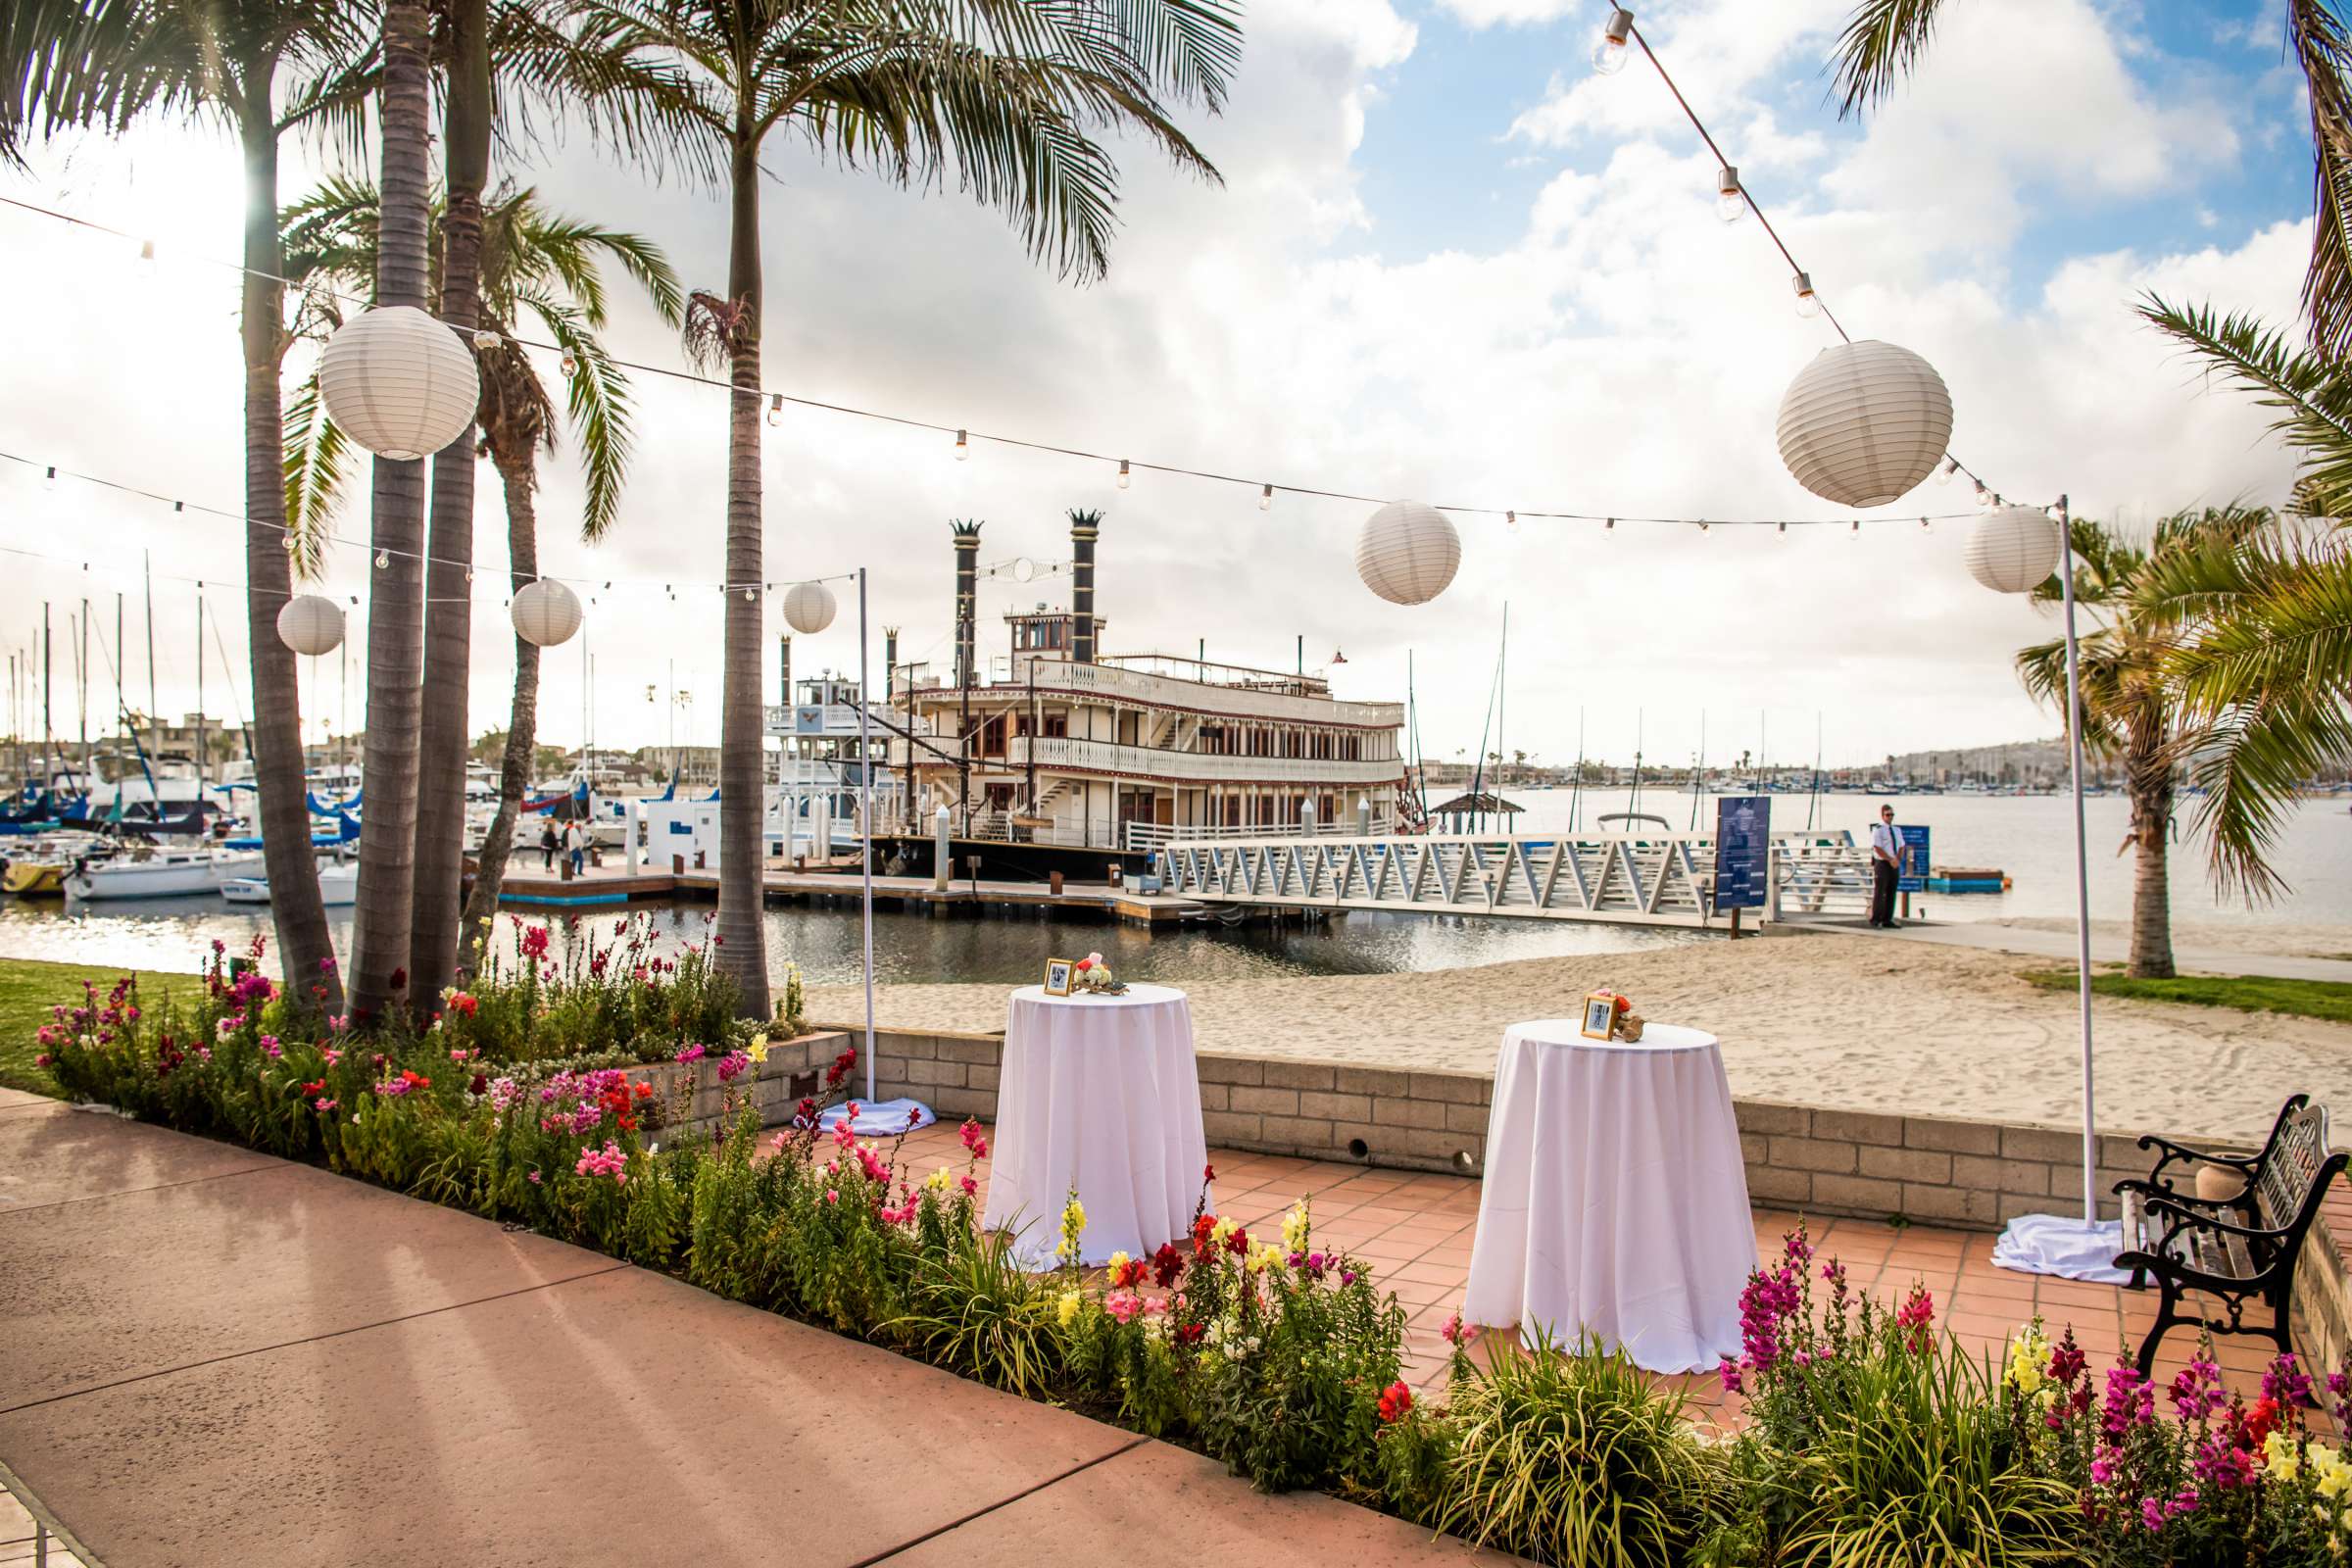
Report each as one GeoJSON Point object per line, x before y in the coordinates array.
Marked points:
{"type": "Point", "coordinates": [1416, 1230]}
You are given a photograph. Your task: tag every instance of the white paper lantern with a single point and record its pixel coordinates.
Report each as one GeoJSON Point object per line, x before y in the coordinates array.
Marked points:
{"type": "Point", "coordinates": [546, 613]}
{"type": "Point", "coordinates": [2013, 550]}
{"type": "Point", "coordinates": [310, 625]}
{"type": "Point", "coordinates": [399, 382]}
{"type": "Point", "coordinates": [1864, 423]}
{"type": "Point", "coordinates": [1407, 551]}
{"type": "Point", "coordinates": [808, 607]}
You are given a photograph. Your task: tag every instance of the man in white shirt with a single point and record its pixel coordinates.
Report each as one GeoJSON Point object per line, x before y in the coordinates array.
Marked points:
{"type": "Point", "coordinates": [1886, 865]}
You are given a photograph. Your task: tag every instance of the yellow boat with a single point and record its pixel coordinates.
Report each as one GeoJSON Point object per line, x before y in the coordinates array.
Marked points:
{"type": "Point", "coordinates": [35, 879]}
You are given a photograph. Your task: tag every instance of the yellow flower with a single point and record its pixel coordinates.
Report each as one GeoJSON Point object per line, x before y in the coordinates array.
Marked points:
{"type": "Point", "coordinates": [1118, 1261]}
{"type": "Point", "coordinates": [2328, 1469]}
{"type": "Point", "coordinates": [1263, 1258]}
{"type": "Point", "coordinates": [1073, 1226]}
{"type": "Point", "coordinates": [2279, 1456]}
{"type": "Point", "coordinates": [1221, 1230]}
{"type": "Point", "coordinates": [759, 1048]}
{"type": "Point", "coordinates": [1066, 1308]}
{"type": "Point", "coordinates": [2029, 1354]}
{"type": "Point", "coordinates": [1296, 1227]}
{"type": "Point", "coordinates": [940, 1180]}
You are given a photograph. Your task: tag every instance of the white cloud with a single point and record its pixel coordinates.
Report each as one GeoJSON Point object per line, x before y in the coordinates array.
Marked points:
{"type": "Point", "coordinates": [1625, 353]}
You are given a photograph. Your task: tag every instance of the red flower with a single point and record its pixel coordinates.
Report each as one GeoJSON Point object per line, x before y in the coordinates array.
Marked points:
{"type": "Point", "coordinates": [316, 1087]}
{"type": "Point", "coordinates": [1238, 1244]}
{"type": "Point", "coordinates": [1624, 1005]}
{"type": "Point", "coordinates": [1166, 1265]}
{"type": "Point", "coordinates": [1208, 1173]}
{"type": "Point", "coordinates": [1085, 964]}
{"type": "Point", "coordinates": [1187, 1333]}
{"type": "Point", "coordinates": [400, 979]}
{"type": "Point", "coordinates": [1395, 1401]}
{"type": "Point", "coordinates": [1203, 1231]}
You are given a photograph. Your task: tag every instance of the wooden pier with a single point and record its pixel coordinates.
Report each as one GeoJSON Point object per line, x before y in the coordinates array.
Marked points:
{"type": "Point", "coordinates": [609, 885]}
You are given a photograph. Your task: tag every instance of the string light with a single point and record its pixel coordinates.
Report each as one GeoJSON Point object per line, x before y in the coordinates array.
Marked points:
{"type": "Point", "coordinates": [1511, 520]}
{"type": "Point", "coordinates": [1122, 473]}
{"type": "Point", "coordinates": [146, 257]}
{"type": "Point", "coordinates": [750, 594]}
{"type": "Point", "coordinates": [485, 339]}
{"type": "Point", "coordinates": [1808, 303]}
{"type": "Point", "coordinates": [49, 480]}
{"type": "Point", "coordinates": [1951, 466]}
{"type": "Point", "coordinates": [1784, 526]}
{"type": "Point", "coordinates": [1610, 527]}
{"type": "Point", "coordinates": [1265, 499]}
{"type": "Point", "coordinates": [384, 560]}
{"type": "Point", "coordinates": [963, 446]}
{"type": "Point", "coordinates": [775, 411]}
{"type": "Point", "coordinates": [1730, 204]}
{"type": "Point", "coordinates": [1609, 50]}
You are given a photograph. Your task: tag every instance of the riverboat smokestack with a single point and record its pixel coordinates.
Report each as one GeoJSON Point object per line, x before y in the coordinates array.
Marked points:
{"type": "Point", "coordinates": [1085, 528]}
{"type": "Point", "coordinates": [967, 588]}
{"type": "Point", "coordinates": [784, 691]}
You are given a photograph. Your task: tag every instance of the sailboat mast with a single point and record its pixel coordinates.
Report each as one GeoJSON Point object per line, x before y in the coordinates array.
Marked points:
{"type": "Point", "coordinates": [120, 708]}
{"type": "Point", "coordinates": [48, 732]}
{"type": "Point", "coordinates": [201, 769]}
{"type": "Point", "coordinates": [1576, 784]}
{"type": "Point", "coordinates": [1698, 768]}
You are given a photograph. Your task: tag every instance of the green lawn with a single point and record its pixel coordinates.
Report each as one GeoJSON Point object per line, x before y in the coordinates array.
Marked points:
{"type": "Point", "coordinates": [29, 987]}
{"type": "Point", "coordinates": [2331, 1000]}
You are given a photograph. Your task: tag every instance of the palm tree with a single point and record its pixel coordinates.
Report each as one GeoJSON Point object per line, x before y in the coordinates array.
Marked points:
{"type": "Point", "coordinates": [263, 67]}
{"type": "Point", "coordinates": [2132, 712]}
{"type": "Point", "coordinates": [536, 265]}
{"type": "Point", "coordinates": [1010, 94]}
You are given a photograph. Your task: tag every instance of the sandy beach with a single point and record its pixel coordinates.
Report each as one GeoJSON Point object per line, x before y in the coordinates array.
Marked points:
{"type": "Point", "coordinates": [1818, 1019]}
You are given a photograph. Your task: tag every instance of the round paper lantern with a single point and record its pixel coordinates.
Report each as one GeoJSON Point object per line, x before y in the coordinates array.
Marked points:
{"type": "Point", "coordinates": [808, 607]}
{"type": "Point", "coordinates": [546, 613]}
{"type": "Point", "coordinates": [1864, 423]}
{"type": "Point", "coordinates": [310, 625]}
{"type": "Point", "coordinates": [2013, 550]}
{"type": "Point", "coordinates": [1407, 551]}
{"type": "Point", "coordinates": [399, 382]}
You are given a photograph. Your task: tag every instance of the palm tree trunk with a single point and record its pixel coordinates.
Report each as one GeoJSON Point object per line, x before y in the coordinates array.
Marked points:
{"type": "Point", "coordinates": [742, 781]}
{"type": "Point", "coordinates": [305, 946]}
{"type": "Point", "coordinates": [2149, 775]}
{"type": "Point", "coordinates": [395, 626]}
{"type": "Point", "coordinates": [448, 593]}
{"type": "Point", "coordinates": [520, 477]}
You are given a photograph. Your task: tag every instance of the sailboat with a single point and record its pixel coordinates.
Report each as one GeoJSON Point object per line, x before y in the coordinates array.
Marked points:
{"type": "Point", "coordinates": [157, 875]}
{"type": "Point", "coordinates": [338, 884]}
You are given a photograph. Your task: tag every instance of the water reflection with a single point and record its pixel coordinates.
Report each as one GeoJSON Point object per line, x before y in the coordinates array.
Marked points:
{"type": "Point", "coordinates": [824, 941]}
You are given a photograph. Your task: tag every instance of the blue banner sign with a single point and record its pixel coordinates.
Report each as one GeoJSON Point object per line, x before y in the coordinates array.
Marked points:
{"type": "Point", "coordinates": [1742, 851]}
{"type": "Point", "coordinates": [1912, 875]}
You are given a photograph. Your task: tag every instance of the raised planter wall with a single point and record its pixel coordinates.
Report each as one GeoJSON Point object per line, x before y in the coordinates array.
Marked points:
{"type": "Point", "coordinates": [793, 1069]}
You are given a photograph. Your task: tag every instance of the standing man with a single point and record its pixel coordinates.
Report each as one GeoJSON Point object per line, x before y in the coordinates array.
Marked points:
{"type": "Point", "coordinates": [1886, 865]}
{"type": "Point", "coordinates": [575, 845]}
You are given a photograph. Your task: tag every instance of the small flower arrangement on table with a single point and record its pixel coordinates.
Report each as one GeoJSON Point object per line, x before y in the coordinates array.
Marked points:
{"type": "Point", "coordinates": [1092, 975]}
{"type": "Point", "coordinates": [1610, 1016]}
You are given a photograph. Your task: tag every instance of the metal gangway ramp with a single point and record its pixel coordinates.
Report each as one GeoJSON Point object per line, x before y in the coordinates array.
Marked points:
{"type": "Point", "coordinates": [1636, 878]}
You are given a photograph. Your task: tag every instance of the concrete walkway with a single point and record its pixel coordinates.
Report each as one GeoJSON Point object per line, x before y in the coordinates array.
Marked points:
{"type": "Point", "coordinates": [2059, 948]}
{"type": "Point", "coordinates": [215, 1356]}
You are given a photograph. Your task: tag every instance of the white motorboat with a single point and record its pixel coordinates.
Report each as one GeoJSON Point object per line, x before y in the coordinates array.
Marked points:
{"type": "Point", "coordinates": [159, 874]}
{"type": "Point", "coordinates": [338, 883]}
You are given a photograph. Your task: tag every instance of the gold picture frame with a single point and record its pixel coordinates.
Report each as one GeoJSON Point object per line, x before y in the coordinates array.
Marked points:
{"type": "Point", "coordinates": [1601, 1009]}
{"type": "Point", "coordinates": [1057, 976]}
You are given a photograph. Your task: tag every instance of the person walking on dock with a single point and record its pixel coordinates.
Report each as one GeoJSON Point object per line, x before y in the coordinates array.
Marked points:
{"type": "Point", "coordinates": [547, 845]}
{"type": "Point", "coordinates": [575, 847]}
{"type": "Point", "coordinates": [1886, 865]}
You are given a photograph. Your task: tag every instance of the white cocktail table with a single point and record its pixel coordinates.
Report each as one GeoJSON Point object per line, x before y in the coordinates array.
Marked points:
{"type": "Point", "coordinates": [1615, 1198]}
{"type": "Point", "coordinates": [1101, 1095]}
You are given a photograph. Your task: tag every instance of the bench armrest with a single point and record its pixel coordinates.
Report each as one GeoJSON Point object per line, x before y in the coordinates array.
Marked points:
{"type": "Point", "coordinates": [2182, 1151]}
{"type": "Point", "coordinates": [2189, 1219]}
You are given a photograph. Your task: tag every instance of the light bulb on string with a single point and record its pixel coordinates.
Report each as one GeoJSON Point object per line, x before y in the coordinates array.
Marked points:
{"type": "Point", "coordinates": [1730, 203]}
{"type": "Point", "coordinates": [1784, 525]}
{"type": "Point", "coordinates": [1855, 532]}
{"type": "Point", "coordinates": [750, 594]}
{"type": "Point", "coordinates": [289, 541]}
{"type": "Point", "coordinates": [146, 257]}
{"type": "Point", "coordinates": [1511, 520]}
{"type": "Point", "coordinates": [1951, 466]}
{"type": "Point", "coordinates": [963, 446]}
{"type": "Point", "coordinates": [1265, 499]}
{"type": "Point", "coordinates": [1808, 304]}
{"type": "Point", "coordinates": [1984, 496]}
{"type": "Point", "coordinates": [1925, 526]}
{"type": "Point", "coordinates": [570, 367]}
{"type": "Point", "coordinates": [1610, 526]}
{"type": "Point", "coordinates": [384, 560]}
{"type": "Point", "coordinates": [775, 410]}
{"type": "Point", "coordinates": [1610, 49]}
{"type": "Point", "coordinates": [485, 340]}
{"type": "Point", "coordinates": [1122, 473]}
{"type": "Point", "coordinates": [49, 480]}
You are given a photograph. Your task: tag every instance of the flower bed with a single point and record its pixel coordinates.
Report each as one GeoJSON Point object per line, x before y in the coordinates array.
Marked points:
{"type": "Point", "coordinates": [1872, 1440]}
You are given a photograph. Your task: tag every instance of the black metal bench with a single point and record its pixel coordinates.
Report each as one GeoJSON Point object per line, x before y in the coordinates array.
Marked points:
{"type": "Point", "coordinates": [2241, 1250]}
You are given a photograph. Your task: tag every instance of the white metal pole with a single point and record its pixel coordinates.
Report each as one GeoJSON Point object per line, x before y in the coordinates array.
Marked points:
{"type": "Point", "coordinates": [866, 829]}
{"type": "Point", "coordinates": [2074, 736]}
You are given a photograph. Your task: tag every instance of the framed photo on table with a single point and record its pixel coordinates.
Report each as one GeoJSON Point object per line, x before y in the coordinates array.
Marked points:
{"type": "Point", "coordinates": [1601, 1016]}
{"type": "Point", "coordinates": [1057, 976]}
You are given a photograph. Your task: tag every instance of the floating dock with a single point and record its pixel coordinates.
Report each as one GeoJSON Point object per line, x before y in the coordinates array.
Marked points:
{"type": "Point", "coordinates": [604, 886]}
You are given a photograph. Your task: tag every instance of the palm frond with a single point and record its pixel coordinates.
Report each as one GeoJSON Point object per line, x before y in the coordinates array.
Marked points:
{"type": "Point", "coordinates": [2313, 395]}
{"type": "Point", "coordinates": [597, 406]}
{"type": "Point", "coordinates": [99, 64]}
{"type": "Point", "coordinates": [317, 461]}
{"type": "Point", "coordinates": [2323, 50]}
{"type": "Point", "coordinates": [1880, 45]}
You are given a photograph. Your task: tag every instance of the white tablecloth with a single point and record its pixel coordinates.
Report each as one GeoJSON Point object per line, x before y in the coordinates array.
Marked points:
{"type": "Point", "coordinates": [1615, 1200]}
{"type": "Point", "coordinates": [1100, 1094]}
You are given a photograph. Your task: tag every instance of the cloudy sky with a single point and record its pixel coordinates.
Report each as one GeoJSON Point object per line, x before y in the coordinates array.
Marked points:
{"type": "Point", "coordinates": [1447, 262]}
